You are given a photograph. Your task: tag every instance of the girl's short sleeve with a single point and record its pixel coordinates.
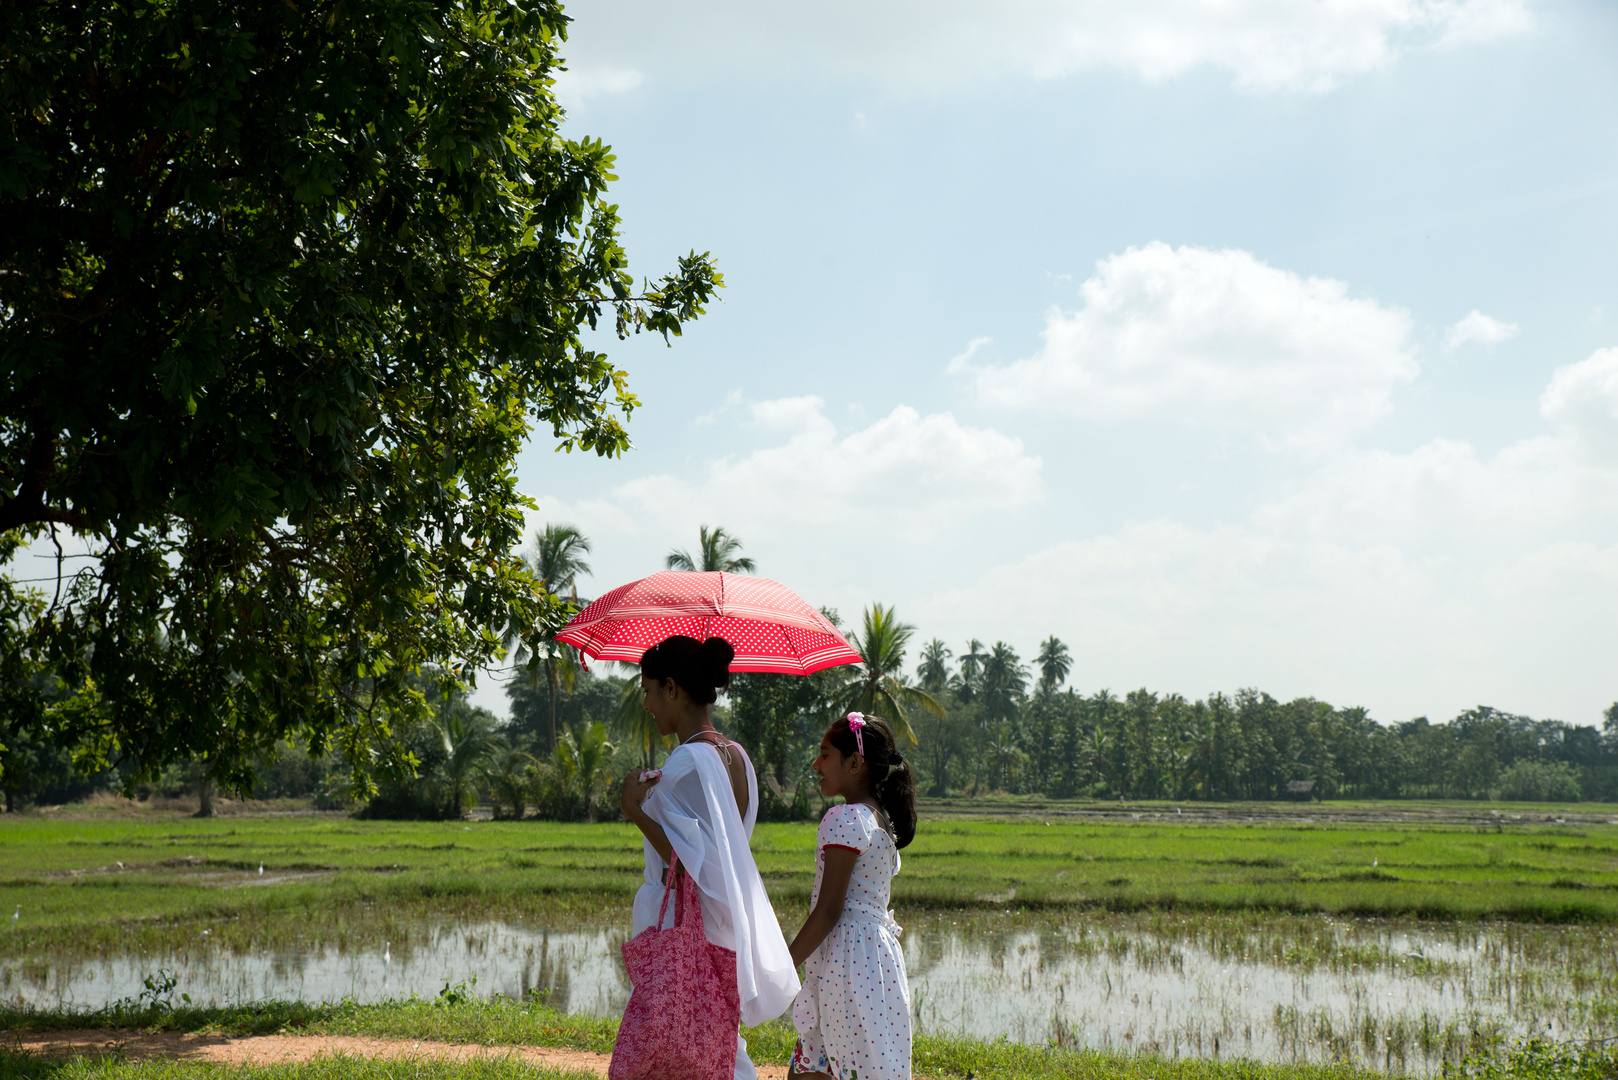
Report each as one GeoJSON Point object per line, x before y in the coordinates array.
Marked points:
{"type": "Point", "coordinates": [842, 828]}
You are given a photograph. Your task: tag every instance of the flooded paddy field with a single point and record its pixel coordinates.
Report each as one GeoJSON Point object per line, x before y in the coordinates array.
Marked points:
{"type": "Point", "coordinates": [1401, 996]}
{"type": "Point", "coordinates": [1399, 937]}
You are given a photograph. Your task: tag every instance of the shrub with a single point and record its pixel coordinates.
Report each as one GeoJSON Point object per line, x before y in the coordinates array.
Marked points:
{"type": "Point", "coordinates": [1540, 781]}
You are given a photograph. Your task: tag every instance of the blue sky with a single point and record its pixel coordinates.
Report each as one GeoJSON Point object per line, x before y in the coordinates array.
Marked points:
{"type": "Point", "coordinates": [1261, 343]}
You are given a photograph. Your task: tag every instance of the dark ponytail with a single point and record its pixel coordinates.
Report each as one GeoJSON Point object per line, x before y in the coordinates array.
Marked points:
{"type": "Point", "coordinates": [893, 781]}
{"type": "Point", "coordinates": [701, 667]}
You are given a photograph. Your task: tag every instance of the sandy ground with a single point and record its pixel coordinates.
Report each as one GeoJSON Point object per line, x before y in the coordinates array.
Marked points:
{"type": "Point", "coordinates": [277, 1049]}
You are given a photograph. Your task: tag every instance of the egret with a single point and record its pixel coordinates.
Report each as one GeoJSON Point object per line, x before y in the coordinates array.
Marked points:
{"type": "Point", "coordinates": [260, 869]}
{"type": "Point", "coordinates": [120, 866]}
{"type": "Point", "coordinates": [1373, 864]}
{"type": "Point", "coordinates": [205, 933]}
{"type": "Point", "coordinates": [15, 915]}
{"type": "Point", "coordinates": [387, 952]}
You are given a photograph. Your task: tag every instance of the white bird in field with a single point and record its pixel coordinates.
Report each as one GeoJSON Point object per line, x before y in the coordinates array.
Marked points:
{"type": "Point", "coordinates": [260, 869]}
{"type": "Point", "coordinates": [1373, 864]}
{"type": "Point", "coordinates": [387, 952]}
{"type": "Point", "coordinates": [15, 915]}
{"type": "Point", "coordinates": [120, 866]}
{"type": "Point", "coordinates": [205, 933]}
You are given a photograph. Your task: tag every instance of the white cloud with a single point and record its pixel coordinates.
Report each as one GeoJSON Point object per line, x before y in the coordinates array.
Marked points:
{"type": "Point", "coordinates": [905, 478]}
{"type": "Point", "coordinates": [1426, 581]}
{"type": "Point", "coordinates": [1263, 44]}
{"type": "Point", "coordinates": [917, 474]}
{"type": "Point", "coordinates": [1480, 20]}
{"type": "Point", "coordinates": [1172, 607]}
{"type": "Point", "coordinates": [1581, 402]}
{"type": "Point", "coordinates": [1215, 338]}
{"type": "Point", "coordinates": [1480, 328]}
{"type": "Point", "coordinates": [576, 86]}
{"type": "Point", "coordinates": [962, 361]}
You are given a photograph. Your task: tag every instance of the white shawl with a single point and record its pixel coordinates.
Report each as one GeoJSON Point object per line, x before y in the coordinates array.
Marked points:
{"type": "Point", "coordinates": [696, 806]}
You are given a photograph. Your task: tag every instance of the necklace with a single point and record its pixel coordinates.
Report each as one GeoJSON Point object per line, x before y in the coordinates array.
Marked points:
{"type": "Point", "coordinates": [704, 731]}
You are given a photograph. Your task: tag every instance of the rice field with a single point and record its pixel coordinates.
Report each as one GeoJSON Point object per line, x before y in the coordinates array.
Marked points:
{"type": "Point", "coordinates": [1395, 945]}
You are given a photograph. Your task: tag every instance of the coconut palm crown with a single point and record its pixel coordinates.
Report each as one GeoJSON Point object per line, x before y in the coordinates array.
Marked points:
{"type": "Point", "coordinates": [933, 671]}
{"type": "Point", "coordinates": [717, 550]}
{"type": "Point", "coordinates": [878, 688]}
{"type": "Point", "coordinates": [1054, 663]}
{"type": "Point", "coordinates": [557, 559]}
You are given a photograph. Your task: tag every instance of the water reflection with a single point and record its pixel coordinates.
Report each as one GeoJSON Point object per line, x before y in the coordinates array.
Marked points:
{"type": "Point", "coordinates": [1393, 996]}
{"type": "Point", "coordinates": [579, 967]}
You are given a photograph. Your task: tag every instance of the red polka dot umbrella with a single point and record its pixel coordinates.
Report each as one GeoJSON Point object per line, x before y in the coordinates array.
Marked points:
{"type": "Point", "coordinates": [770, 626]}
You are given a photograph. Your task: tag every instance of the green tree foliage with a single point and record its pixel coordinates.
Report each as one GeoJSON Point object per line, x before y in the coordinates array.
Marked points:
{"type": "Point", "coordinates": [780, 720]}
{"type": "Point", "coordinates": [1054, 662]}
{"type": "Point", "coordinates": [587, 698]}
{"type": "Point", "coordinates": [284, 288]}
{"type": "Point", "coordinates": [879, 687]}
{"type": "Point", "coordinates": [1540, 781]}
{"type": "Point", "coordinates": [582, 765]}
{"type": "Point", "coordinates": [933, 672]}
{"type": "Point", "coordinates": [455, 745]}
{"type": "Point", "coordinates": [995, 736]}
{"type": "Point", "coordinates": [717, 550]}
{"type": "Point", "coordinates": [557, 560]}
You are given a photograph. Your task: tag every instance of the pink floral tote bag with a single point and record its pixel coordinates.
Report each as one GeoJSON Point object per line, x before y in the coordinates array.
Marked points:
{"type": "Point", "coordinates": [684, 1008]}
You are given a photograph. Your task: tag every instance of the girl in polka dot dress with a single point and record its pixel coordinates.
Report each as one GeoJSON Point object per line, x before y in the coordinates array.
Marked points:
{"type": "Point", "coordinates": [853, 1013]}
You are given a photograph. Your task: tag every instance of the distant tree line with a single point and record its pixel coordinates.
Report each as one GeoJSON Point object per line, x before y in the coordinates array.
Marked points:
{"type": "Point", "coordinates": [980, 721]}
{"type": "Point", "coordinates": [1006, 726]}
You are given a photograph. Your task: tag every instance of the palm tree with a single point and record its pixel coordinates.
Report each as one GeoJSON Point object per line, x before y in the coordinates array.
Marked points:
{"type": "Point", "coordinates": [717, 549]}
{"type": "Point", "coordinates": [557, 560]}
{"type": "Point", "coordinates": [583, 761]}
{"type": "Point", "coordinates": [558, 557]}
{"type": "Point", "coordinates": [878, 689]}
{"type": "Point", "coordinates": [634, 723]}
{"type": "Point", "coordinates": [1054, 663]}
{"type": "Point", "coordinates": [933, 671]}
{"type": "Point", "coordinates": [969, 679]}
{"type": "Point", "coordinates": [1004, 679]}
{"type": "Point", "coordinates": [467, 749]}
{"type": "Point", "coordinates": [510, 778]}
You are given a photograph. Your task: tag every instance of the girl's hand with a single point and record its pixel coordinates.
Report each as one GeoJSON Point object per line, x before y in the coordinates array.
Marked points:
{"type": "Point", "coordinates": [638, 783]}
{"type": "Point", "coordinates": [829, 908]}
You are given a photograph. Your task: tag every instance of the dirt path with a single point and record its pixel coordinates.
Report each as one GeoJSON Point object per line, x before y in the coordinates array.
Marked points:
{"type": "Point", "coordinates": [280, 1049]}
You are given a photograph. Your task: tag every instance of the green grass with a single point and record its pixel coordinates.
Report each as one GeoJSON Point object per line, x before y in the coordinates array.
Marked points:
{"type": "Point", "coordinates": [497, 1023]}
{"type": "Point", "coordinates": [26, 1067]}
{"type": "Point", "coordinates": [339, 878]}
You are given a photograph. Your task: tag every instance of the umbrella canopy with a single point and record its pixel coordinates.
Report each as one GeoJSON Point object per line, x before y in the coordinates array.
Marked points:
{"type": "Point", "coordinates": [771, 627]}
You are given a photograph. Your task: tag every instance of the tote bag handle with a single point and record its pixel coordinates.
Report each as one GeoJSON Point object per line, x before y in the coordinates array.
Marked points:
{"type": "Point", "coordinates": [679, 894]}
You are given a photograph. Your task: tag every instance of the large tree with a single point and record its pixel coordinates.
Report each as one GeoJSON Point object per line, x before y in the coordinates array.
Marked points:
{"type": "Point", "coordinates": [284, 288]}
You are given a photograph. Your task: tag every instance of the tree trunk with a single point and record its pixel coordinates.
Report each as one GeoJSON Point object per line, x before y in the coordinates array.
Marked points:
{"type": "Point", "coordinates": [550, 683]}
{"type": "Point", "coordinates": [205, 796]}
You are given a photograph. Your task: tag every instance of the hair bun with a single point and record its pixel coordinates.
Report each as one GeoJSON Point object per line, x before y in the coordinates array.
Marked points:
{"type": "Point", "coordinates": [717, 654]}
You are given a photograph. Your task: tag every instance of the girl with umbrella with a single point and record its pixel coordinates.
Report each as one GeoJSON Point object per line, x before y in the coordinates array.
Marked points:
{"type": "Point", "coordinates": [702, 807]}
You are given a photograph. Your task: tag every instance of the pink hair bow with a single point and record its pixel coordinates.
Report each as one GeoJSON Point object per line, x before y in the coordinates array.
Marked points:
{"type": "Point", "coordinates": [856, 724]}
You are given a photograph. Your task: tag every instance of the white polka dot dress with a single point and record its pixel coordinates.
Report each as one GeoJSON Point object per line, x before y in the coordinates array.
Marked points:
{"type": "Point", "coordinates": [853, 1013]}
